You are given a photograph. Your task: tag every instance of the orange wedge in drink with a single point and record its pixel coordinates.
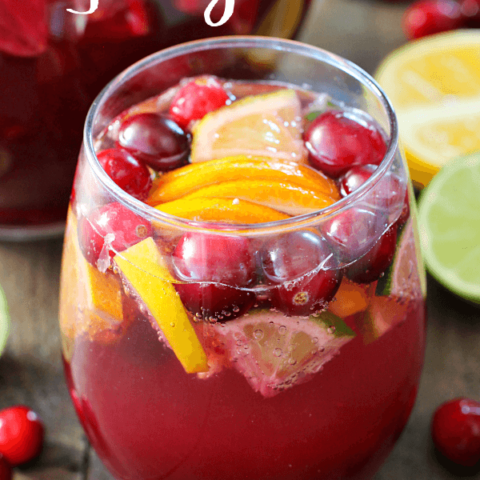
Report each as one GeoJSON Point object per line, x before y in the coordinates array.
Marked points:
{"type": "Point", "coordinates": [90, 301]}
{"type": "Point", "coordinates": [282, 196]}
{"type": "Point", "coordinates": [185, 180]}
{"type": "Point", "coordinates": [260, 125]}
{"type": "Point", "coordinates": [221, 210]}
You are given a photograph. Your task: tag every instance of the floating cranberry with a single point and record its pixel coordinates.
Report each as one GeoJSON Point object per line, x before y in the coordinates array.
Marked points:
{"type": "Point", "coordinates": [371, 266]}
{"type": "Point", "coordinates": [456, 431]}
{"type": "Point", "coordinates": [388, 194]}
{"type": "Point", "coordinates": [112, 227]}
{"type": "Point", "coordinates": [197, 98]}
{"type": "Point", "coordinates": [21, 434]}
{"type": "Point", "coordinates": [217, 268]}
{"type": "Point", "coordinates": [156, 140]}
{"type": "Point", "coordinates": [352, 233]}
{"type": "Point", "coordinates": [126, 171]}
{"type": "Point", "coordinates": [301, 267]}
{"type": "Point", "coordinates": [336, 142]}
{"type": "Point", "coordinates": [5, 469]}
{"type": "Point", "coordinates": [427, 17]}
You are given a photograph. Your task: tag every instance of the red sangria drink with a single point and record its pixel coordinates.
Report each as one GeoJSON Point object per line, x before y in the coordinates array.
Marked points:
{"type": "Point", "coordinates": [242, 295]}
{"type": "Point", "coordinates": [54, 62]}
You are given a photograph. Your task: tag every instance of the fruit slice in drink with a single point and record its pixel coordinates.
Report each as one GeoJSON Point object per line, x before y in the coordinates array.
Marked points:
{"type": "Point", "coordinates": [185, 180]}
{"type": "Point", "coordinates": [143, 268]}
{"type": "Point", "coordinates": [262, 125]}
{"type": "Point", "coordinates": [275, 352]}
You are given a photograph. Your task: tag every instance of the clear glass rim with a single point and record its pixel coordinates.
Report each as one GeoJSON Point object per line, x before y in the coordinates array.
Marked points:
{"type": "Point", "coordinates": [289, 46]}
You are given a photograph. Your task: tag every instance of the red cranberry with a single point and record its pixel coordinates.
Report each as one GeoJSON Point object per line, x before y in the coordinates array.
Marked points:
{"type": "Point", "coordinates": [217, 267]}
{"type": "Point", "coordinates": [126, 171]}
{"type": "Point", "coordinates": [427, 17]}
{"type": "Point", "coordinates": [292, 263]}
{"type": "Point", "coordinates": [156, 140]}
{"type": "Point", "coordinates": [388, 194]}
{"type": "Point", "coordinates": [352, 233]}
{"type": "Point", "coordinates": [372, 265]}
{"type": "Point", "coordinates": [21, 434]}
{"type": "Point", "coordinates": [197, 98]}
{"type": "Point", "coordinates": [112, 228]}
{"type": "Point", "coordinates": [5, 469]}
{"type": "Point", "coordinates": [456, 431]}
{"type": "Point", "coordinates": [336, 142]}
{"type": "Point", "coordinates": [470, 10]}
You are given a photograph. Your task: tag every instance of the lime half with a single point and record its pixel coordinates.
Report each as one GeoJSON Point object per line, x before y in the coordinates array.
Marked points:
{"type": "Point", "coordinates": [4, 321]}
{"type": "Point", "coordinates": [449, 226]}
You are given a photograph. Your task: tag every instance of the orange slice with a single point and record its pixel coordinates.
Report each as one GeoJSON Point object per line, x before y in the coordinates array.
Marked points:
{"type": "Point", "coordinates": [221, 210]}
{"type": "Point", "coordinates": [267, 125]}
{"type": "Point", "coordinates": [143, 267]}
{"type": "Point", "coordinates": [282, 196]}
{"type": "Point", "coordinates": [90, 301]}
{"type": "Point", "coordinates": [351, 298]}
{"type": "Point", "coordinates": [185, 180]}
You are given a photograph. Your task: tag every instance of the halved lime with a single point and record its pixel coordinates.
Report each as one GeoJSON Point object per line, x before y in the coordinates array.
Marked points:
{"type": "Point", "coordinates": [4, 321]}
{"type": "Point", "coordinates": [449, 226]}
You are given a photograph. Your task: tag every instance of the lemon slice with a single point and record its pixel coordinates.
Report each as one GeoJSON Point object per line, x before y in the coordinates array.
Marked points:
{"type": "Point", "coordinates": [260, 125]}
{"type": "Point", "coordinates": [142, 266]}
{"type": "Point", "coordinates": [434, 85]}
{"type": "Point", "coordinates": [4, 321]}
{"type": "Point", "coordinates": [449, 226]}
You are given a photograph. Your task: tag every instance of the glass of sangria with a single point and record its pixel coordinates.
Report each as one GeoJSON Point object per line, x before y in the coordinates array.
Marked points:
{"type": "Point", "coordinates": [242, 294]}
{"type": "Point", "coordinates": [52, 65]}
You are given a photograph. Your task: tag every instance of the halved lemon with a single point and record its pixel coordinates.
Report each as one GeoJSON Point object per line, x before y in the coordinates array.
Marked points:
{"type": "Point", "coordinates": [260, 125]}
{"type": "Point", "coordinates": [434, 85]}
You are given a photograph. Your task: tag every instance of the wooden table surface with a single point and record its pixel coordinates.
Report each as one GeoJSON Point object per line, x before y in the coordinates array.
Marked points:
{"type": "Point", "coordinates": [363, 31]}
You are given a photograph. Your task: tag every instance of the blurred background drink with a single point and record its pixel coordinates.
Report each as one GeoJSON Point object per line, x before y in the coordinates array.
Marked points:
{"type": "Point", "coordinates": [53, 63]}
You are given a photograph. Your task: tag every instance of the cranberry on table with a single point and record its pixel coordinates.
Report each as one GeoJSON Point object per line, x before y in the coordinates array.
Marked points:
{"type": "Point", "coordinates": [21, 435]}
{"type": "Point", "coordinates": [112, 223]}
{"type": "Point", "coordinates": [427, 17]}
{"type": "Point", "coordinates": [126, 171]}
{"type": "Point", "coordinates": [197, 98]}
{"type": "Point", "coordinates": [456, 431]}
{"type": "Point", "coordinates": [291, 264]}
{"type": "Point", "coordinates": [156, 140]}
{"type": "Point", "coordinates": [371, 266]}
{"type": "Point", "coordinates": [216, 269]}
{"type": "Point", "coordinates": [336, 142]}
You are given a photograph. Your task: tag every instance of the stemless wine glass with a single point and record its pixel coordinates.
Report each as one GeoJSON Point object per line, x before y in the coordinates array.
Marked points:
{"type": "Point", "coordinates": [52, 65]}
{"type": "Point", "coordinates": [205, 348]}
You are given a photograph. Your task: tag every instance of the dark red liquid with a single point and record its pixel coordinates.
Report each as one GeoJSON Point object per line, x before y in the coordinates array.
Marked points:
{"type": "Point", "coordinates": [44, 98]}
{"type": "Point", "coordinates": [148, 419]}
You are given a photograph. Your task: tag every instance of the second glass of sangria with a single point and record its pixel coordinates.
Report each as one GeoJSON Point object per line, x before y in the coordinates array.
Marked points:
{"type": "Point", "coordinates": [242, 295]}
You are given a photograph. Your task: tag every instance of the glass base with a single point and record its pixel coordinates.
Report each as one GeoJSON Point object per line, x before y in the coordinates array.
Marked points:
{"type": "Point", "coordinates": [30, 233]}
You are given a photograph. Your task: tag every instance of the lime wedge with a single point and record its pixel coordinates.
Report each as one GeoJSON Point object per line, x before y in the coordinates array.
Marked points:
{"type": "Point", "coordinates": [4, 321]}
{"type": "Point", "coordinates": [449, 227]}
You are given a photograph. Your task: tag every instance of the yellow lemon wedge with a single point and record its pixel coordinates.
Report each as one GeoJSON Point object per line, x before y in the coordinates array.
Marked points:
{"type": "Point", "coordinates": [142, 266]}
{"type": "Point", "coordinates": [266, 125]}
{"type": "Point", "coordinates": [434, 85]}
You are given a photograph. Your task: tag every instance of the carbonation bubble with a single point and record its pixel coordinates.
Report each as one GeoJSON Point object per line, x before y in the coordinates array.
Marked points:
{"type": "Point", "coordinates": [282, 330]}
{"type": "Point", "coordinates": [258, 334]}
{"type": "Point", "coordinates": [278, 352]}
